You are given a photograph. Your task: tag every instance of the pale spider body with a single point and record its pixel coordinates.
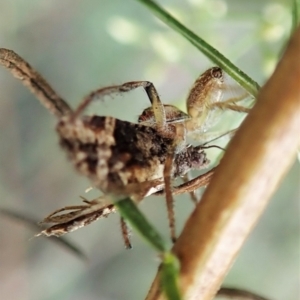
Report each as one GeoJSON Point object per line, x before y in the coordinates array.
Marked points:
{"type": "Point", "coordinates": [203, 104]}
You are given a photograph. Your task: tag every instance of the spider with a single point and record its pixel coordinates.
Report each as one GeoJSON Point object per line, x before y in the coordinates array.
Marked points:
{"type": "Point", "coordinates": [129, 159]}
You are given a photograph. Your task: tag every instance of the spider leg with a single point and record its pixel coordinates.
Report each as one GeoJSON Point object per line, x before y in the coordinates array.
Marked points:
{"type": "Point", "coordinates": [125, 234]}
{"type": "Point", "coordinates": [71, 218]}
{"type": "Point", "coordinates": [79, 216]}
{"type": "Point", "coordinates": [193, 195]}
{"type": "Point", "coordinates": [209, 137]}
{"type": "Point", "coordinates": [187, 187]}
{"type": "Point", "coordinates": [158, 108]}
{"type": "Point", "coordinates": [30, 78]}
{"type": "Point", "coordinates": [234, 107]}
{"type": "Point", "coordinates": [231, 104]}
{"type": "Point", "coordinates": [169, 195]}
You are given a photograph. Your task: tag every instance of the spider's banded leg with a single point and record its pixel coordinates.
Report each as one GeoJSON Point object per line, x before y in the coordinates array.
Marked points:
{"type": "Point", "coordinates": [158, 108]}
{"type": "Point", "coordinates": [193, 195]}
{"type": "Point", "coordinates": [169, 196]}
{"type": "Point", "coordinates": [200, 181]}
{"type": "Point", "coordinates": [125, 234]}
{"type": "Point", "coordinates": [55, 218]}
{"type": "Point", "coordinates": [231, 104]}
{"type": "Point", "coordinates": [30, 78]}
{"type": "Point", "coordinates": [74, 220]}
{"type": "Point", "coordinates": [234, 107]}
{"type": "Point", "coordinates": [196, 183]}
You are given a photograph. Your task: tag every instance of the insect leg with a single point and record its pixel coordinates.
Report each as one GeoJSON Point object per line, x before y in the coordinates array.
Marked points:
{"type": "Point", "coordinates": [158, 108]}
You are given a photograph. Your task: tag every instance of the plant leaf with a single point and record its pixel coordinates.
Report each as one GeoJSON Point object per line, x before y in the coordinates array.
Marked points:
{"type": "Point", "coordinates": [129, 211]}
{"type": "Point", "coordinates": [213, 54]}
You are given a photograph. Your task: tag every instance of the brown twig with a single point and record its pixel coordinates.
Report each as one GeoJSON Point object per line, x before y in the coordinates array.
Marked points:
{"type": "Point", "coordinates": [257, 158]}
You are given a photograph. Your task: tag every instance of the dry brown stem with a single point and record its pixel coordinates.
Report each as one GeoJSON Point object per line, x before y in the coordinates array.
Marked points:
{"type": "Point", "coordinates": [257, 158]}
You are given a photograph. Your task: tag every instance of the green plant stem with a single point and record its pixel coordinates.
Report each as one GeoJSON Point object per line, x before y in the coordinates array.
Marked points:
{"type": "Point", "coordinates": [169, 276]}
{"type": "Point", "coordinates": [214, 55]}
{"type": "Point", "coordinates": [137, 220]}
{"type": "Point", "coordinates": [295, 15]}
{"type": "Point", "coordinates": [170, 264]}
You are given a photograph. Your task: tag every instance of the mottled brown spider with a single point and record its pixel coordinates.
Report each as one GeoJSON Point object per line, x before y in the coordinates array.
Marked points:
{"type": "Point", "coordinates": [128, 159]}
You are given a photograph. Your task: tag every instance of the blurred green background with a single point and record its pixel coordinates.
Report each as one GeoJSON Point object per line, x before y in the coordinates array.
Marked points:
{"type": "Point", "coordinates": [79, 46]}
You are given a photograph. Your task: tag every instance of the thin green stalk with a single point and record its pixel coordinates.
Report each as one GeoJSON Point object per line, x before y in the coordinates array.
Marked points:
{"type": "Point", "coordinates": [129, 211]}
{"type": "Point", "coordinates": [214, 55]}
{"type": "Point", "coordinates": [295, 15]}
{"type": "Point", "coordinates": [170, 265]}
{"type": "Point", "coordinates": [169, 276]}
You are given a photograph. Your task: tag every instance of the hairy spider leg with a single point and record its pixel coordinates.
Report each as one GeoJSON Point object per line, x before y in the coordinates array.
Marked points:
{"type": "Point", "coordinates": [125, 234]}
{"type": "Point", "coordinates": [30, 78]}
{"type": "Point", "coordinates": [193, 194]}
{"type": "Point", "coordinates": [169, 195]}
{"type": "Point", "coordinates": [157, 106]}
{"type": "Point", "coordinates": [230, 104]}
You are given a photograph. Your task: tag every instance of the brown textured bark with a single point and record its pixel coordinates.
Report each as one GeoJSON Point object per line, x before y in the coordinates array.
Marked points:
{"type": "Point", "coordinates": [257, 158]}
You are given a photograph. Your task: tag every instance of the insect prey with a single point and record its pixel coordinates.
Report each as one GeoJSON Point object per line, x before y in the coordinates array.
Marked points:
{"type": "Point", "coordinates": [129, 159]}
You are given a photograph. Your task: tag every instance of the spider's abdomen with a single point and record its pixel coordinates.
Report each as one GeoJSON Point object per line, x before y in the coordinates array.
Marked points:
{"type": "Point", "coordinates": [113, 153]}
